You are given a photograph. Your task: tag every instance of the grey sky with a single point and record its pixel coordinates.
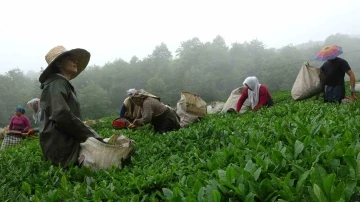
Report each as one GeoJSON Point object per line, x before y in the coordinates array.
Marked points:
{"type": "Point", "coordinates": [112, 29]}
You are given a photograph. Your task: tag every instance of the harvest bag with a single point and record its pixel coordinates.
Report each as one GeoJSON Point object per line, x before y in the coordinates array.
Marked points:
{"type": "Point", "coordinates": [357, 86]}
{"type": "Point", "coordinates": [215, 107]}
{"type": "Point", "coordinates": [120, 123]}
{"type": "Point", "coordinates": [190, 108]}
{"type": "Point", "coordinates": [307, 83]}
{"type": "Point", "coordinates": [233, 100]}
{"type": "Point", "coordinates": [98, 155]}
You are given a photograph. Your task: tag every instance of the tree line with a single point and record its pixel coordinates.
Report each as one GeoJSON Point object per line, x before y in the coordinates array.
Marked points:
{"type": "Point", "coordinates": [210, 69]}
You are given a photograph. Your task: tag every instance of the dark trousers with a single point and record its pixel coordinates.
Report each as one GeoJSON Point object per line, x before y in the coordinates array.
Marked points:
{"type": "Point", "coordinates": [166, 122]}
{"type": "Point", "coordinates": [334, 93]}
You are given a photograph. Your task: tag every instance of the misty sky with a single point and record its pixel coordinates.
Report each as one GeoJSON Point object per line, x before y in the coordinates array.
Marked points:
{"type": "Point", "coordinates": [112, 29]}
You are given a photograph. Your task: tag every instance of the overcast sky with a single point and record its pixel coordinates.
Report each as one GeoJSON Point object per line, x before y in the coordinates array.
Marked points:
{"type": "Point", "coordinates": [112, 29]}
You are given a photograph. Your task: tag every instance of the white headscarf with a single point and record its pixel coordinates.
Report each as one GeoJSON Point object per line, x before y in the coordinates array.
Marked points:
{"type": "Point", "coordinates": [130, 91]}
{"type": "Point", "coordinates": [253, 83]}
{"type": "Point", "coordinates": [34, 104]}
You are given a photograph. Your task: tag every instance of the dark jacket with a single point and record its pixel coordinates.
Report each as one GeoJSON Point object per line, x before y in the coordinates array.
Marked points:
{"type": "Point", "coordinates": [61, 129]}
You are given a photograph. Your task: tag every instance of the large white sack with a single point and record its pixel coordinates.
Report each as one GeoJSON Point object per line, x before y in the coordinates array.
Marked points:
{"type": "Point", "coordinates": [3, 132]}
{"type": "Point", "coordinates": [98, 155]}
{"type": "Point", "coordinates": [190, 108]}
{"type": "Point", "coordinates": [215, 107]}
{"type": "Point", "coordinates": [357, 87]}
{"type": "Point", "coordinates": [233, 100]}
{"type": "Point", "coordinates": [307, 83]}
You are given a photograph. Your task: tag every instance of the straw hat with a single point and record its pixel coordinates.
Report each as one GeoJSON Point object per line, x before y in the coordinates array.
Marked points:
{"type": "Point", "coordinates": [82, 56]}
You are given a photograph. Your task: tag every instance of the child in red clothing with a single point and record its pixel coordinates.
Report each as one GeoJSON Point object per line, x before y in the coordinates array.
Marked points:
{"type": "Point", "coordinates": [258, 94]}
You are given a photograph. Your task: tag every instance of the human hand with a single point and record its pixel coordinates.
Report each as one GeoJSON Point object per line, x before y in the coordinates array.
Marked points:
{"type": "Point", "coordinates": [353, 93]}
{"type": "Point", "coordinates": [132, 126]}
{"type": "Point", "coordinates": [354, 96]}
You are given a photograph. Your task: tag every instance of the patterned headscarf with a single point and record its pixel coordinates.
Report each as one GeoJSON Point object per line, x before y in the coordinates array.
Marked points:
{"type": "Point", "coordinates": [142, 94]}
{"type": "Point", "coordinates": [138, 96]}
{"type": "Point", "coordinates": [20, 109]}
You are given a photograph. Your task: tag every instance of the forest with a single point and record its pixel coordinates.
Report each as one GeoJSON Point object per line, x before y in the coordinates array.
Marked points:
{"type": "Point", "coordinates": [211, 69]}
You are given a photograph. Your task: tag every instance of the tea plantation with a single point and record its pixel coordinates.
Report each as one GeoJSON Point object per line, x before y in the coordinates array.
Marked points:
{"type": "Point", "coordinates": [294, 151]}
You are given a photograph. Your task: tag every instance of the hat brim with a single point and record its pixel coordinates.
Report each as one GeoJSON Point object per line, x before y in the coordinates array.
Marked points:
{"type": "Point", "coordinates": [82, 57]}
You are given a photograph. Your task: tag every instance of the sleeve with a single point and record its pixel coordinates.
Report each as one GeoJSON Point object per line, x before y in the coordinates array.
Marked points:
{"type": "Point", "coordinates": [243, 97]}
{"type": "Point", "coordinates": [122, 111]}
{"type": "Point", "coordinates": [147, 113]}
{"type": "Point", "coordinates": [27, 124]}
{"type": "Point", "coordinates": [263, 97]}
{"type": "Point", "coordinates": [322, 67]}
{"type": "Point", "coordinates": [11, 123]}
{"type": "Point", "coordinates": [138, 116]}
{"type": "Point", "coordinates": [58, 111]}
{"type": "Point", "coordinates": [345, 66]}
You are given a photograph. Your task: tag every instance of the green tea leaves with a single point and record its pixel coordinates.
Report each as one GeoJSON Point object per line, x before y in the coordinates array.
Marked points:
{"type": "Point", "coordinates": [298, 147]}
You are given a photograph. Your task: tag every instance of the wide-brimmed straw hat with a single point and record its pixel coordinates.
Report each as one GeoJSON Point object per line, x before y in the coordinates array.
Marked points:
{"type": "Point", "coordinates": [82, 57]}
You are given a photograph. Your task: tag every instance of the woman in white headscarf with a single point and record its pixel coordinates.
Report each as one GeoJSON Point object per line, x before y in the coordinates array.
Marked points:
{"type": "Point", "coordinates": [129, 110]}
{"type": "Point", "coordinates": [34, 104]}
{"type": "Point", "coordinates": [258, 94]}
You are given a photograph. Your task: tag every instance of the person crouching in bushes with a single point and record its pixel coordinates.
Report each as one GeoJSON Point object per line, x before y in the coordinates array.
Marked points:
{"type": "Point", "coordinates": [19, 125]}
{"type": "Point", "coordinates": [129, 110]}
{"type": "Point", "coordinates": [34, 104]}
{"type": "Point", "coordinates": [154, 112]}
{"type": "Point", "coordinates": [258, 94]}
{"type": "Point", "coordinates": [62, 130]}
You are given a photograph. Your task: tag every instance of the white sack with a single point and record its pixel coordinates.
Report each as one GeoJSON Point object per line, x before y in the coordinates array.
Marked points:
{"type": "Point", "coordinates": [307, 83]}
{"type": "Point", "coordinates": [99, 155]}
{"type": "Point", "coordinates": [190, 108]}
{"type": "Point", "coordinates": [233, 100]}
{"type": "Point", "coordinates": [357, 87]}
{"type": "Point", "coordinates": [215, 107]}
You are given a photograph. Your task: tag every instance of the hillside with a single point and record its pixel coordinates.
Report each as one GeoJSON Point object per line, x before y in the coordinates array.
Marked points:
{"type": "Point", "coordinates": [211, 69]}
{"type": "Point", "coordinates": [294, 151]}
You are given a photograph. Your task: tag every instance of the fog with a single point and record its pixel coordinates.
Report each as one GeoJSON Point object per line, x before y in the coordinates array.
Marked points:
{"type": "Point", "coordinates": [120, 29]}
{"type": "Point", "coordinates": [203, 47]}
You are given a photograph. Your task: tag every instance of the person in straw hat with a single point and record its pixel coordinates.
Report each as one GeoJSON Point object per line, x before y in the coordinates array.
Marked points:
{"type": "Point", "coordinates": [153, 111]}
{"type": "Point", "coordinates": [61, 129]}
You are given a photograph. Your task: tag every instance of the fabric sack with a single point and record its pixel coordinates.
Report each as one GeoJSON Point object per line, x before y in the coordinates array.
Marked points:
{"type": "Point", "coordinates": [190, 108]}
{"type": "Point", "coordinates": [120, 123]}
{"type": "Point", "coordinates": [307, 83]}
{"type": "Point", "coordinates": [98, 155]}
{"type": "Point", "coordinates": [230, 104]}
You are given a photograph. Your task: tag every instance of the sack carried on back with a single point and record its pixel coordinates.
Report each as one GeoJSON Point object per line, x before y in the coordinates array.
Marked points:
{"type": "Point", "coordinates": [307, 83]}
